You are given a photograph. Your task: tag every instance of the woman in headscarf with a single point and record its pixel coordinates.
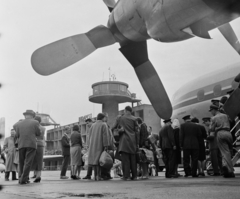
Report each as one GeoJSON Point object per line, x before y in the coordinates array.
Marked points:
{"type": "Point", "coordinates": [75, 152]}
{"type": "Point", "coordinates": [98, 142]}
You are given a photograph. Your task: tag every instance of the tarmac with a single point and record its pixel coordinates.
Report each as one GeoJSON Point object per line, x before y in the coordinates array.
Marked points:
{"type": "Point", "coordinates": [155, 187]}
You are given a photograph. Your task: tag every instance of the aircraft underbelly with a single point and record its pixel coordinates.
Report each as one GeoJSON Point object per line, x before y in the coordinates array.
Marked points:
{"type": "Point", "coordinates": [170, 17]}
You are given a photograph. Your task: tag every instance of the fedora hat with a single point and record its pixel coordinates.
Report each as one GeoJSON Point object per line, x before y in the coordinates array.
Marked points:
{"type": "Point", "coordinates": [29, 112]}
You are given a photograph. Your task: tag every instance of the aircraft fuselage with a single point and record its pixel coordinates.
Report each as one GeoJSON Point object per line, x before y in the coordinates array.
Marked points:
{"type": "Point", "coordinates": [164, 20]}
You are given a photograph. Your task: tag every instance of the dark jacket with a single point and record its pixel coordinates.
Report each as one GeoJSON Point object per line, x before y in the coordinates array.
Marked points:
{"type": "Point", "coordinates": [143, 136]}
{"type": "Point", "coordinates": [26, 132]}
{"type": "Point", "coordinates": [190, 136]}
{"type": "Point", "coordinates": [76, 139]}
{"type": "Point", "coordinates": [65, 146]}
{"type": "Point", "coordinates": [129, 139]}
{"type": "Point", "coordinates": [166, 137]}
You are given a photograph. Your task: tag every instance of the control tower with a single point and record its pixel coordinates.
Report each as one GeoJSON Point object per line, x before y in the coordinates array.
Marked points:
{"type": "Point", "coordinates": [110, 94]}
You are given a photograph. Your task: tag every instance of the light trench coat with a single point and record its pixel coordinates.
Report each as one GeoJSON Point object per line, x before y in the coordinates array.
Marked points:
{"type": "Point", "coordinates": [98, 139]}
{"type": "Point", "coordinates": [10, 150]}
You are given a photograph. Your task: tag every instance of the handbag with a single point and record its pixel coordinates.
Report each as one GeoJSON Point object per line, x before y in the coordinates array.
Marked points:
{"type": "Point", "coordinates": [149, 154]}
{"type": "Point", "coordinates": [106, 160]}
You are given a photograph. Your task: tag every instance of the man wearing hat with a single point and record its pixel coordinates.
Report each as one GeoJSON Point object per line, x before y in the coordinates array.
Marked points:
{"type": "Point", "coordinates": [190, 136]}
{"type": "Point", "coordinates": [220, 125]}
{"type": "Point", "coordinates": [65, 141]}
{"type": "Point", "coordinates": [128, 143]}
{"type": "Point", "coordinates": [26, 132]}
{"type": "Point", "coordinates": [168, 146]}
{"type": "Point", "coordinates": [215, 154]}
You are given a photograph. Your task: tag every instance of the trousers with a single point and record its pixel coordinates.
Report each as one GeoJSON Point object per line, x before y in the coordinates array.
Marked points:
{"type": "Point", "coordinates": [169, 161]}
{"type": "Point", "coordinates": [193, 155]}
{"type": "Point", "coordinates": [225, 141]}
{"type": "Point", "coordinates": [216, 159]}
{"type": "Point", "coordinates": [26, 157]}
{"type": "Point", "coordinates": [129, 165]}
{"type": "Point", "coordinates": [65, 163]}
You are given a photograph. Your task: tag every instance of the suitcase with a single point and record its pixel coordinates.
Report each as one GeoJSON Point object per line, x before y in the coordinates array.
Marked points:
{"type": "Point", "coordinates": [232, 105]}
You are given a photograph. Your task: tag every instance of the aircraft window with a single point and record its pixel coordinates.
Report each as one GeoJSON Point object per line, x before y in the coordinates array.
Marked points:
{"type": "Point", "coordinates": [200, 95]}
{"type": "Point", "coordinates": [234, 85]}
{"type": "Point", "coordinates": [217, 90]}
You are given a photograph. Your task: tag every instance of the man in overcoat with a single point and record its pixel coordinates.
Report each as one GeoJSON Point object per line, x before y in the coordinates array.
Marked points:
{"type": "Point", "coordinates": [65, 141]}
{"type": "Point", "coordinates": [9, 149]}
{"type": "Point", "coordinates": [128, 143]}
{"type": "Point", "coordinates": [190, 136]}
{"type": "Point", "coordinates": [168, 146]}
{"type": "Point", "coordinates": [26, 132]}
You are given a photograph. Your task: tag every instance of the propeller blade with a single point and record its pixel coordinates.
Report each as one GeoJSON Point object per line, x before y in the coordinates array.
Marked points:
{"type": "Point", "coordinates": [229, 34]}
{"type": "Point", "coordinates": [110, 3]}
{"type": "Point", "coordinates": [58, 55]}
{"type": "Point", "coordinates": [137, 55]}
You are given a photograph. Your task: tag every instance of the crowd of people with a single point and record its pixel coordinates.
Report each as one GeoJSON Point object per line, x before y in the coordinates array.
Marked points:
{"type": "Point", "coordinates": [130, 143]}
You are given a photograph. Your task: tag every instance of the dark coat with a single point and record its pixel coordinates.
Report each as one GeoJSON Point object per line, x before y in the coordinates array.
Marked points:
{"type": "Point", "coordinates": [129, 140]}
{"type": "Point", "coordinates": [202, 151]}
{"type": "Point", "coordinates": [65, 146]}
{"type": "Point", "coordinates": [190, 136]}
{"type": "Point", "coordinates": [166, 137]}
{"type": "Point", "coordinates": [27, 131]}
{"type": "Point", "coordinates": [143, 136]}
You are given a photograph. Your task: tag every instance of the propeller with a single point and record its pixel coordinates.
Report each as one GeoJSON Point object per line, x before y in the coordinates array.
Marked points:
{"type": "Point", "coordinates": [60, 54]}
{"type": "Point", "coordinates": [110, 4]}
{"type": "Point", "coordinates": [229, 34]}
{"type": "Point", "coordinates": [136, 53]}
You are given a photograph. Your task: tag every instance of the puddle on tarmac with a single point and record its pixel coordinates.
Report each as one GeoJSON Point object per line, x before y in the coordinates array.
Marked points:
{"type": "Point", "coordinates": [88, 195]}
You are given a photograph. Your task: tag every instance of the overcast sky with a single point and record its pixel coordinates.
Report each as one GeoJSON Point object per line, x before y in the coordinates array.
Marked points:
{"type": "Point", "coordinates": [26, 25]}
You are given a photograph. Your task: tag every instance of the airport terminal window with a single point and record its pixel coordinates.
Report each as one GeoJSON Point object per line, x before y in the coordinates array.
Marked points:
{"type": "Point", "coordinates": [217, 90]}
{"type": "Point", "coordinates": [123, 88]}
{"type": "Point", "coordinates": [200, 95]}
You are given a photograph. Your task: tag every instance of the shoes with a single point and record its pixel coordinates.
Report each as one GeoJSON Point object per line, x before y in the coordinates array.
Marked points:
{"type": "Point", "coordinates": [134, 179]}
{"type": "Point", "coordinates": [195, 176]}
{"type": "Point", "coordinates": [6, 179]}
{"type": "Point", "coordinates": [187, 175]}
{"type": "Point", "coordinates": [201, 174]}
{"type": "Point", "coordinates": [14, 179]}
{"type": "Point", "coordinates": [34, 176]}
{"type": "Point", "coordinates": [125, 179]}
{"type": "Point", "coordinates": [37, 180]}
{"type": "Point", "coordinates": [63, 177]}
{"type": "Point", "coordinates": [174, 176]}
{"type": "Point", "coordinates": [229, 175]}
{"type": "Point", "coordinates": [216, 174]}
{"type": "Point", "coordinates": [87, 178]}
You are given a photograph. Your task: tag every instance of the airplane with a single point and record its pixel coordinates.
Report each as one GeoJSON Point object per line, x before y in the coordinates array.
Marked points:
{"type": "Point", "coordinates": [131, 23]}
{"type": "Point", "coordinates": [194, 98]}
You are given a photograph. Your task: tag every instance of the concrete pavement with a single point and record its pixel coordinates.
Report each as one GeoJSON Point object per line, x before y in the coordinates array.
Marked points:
{"type": "Point", "coordinates": [156, 187]}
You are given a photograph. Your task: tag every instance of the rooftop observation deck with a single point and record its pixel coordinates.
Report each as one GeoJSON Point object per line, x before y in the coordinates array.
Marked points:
{"type": "Point", "coordinates": [112, 91]}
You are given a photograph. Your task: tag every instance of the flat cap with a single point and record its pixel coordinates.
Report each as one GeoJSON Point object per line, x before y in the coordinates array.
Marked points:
{"type": "Point", "coordinates": [187, 117]}
{"type": "Point", "coordinates": [213, 107]}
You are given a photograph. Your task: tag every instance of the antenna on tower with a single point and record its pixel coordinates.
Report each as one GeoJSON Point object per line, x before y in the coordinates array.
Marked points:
{"type": "Point", "coordinates": [109, 73]}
